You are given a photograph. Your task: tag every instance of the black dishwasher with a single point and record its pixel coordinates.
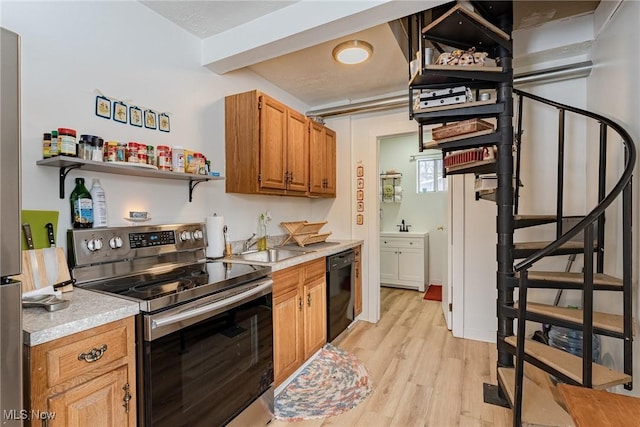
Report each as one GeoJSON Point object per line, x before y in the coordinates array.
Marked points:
{"type": "Point", "coordinates": [340, 292]}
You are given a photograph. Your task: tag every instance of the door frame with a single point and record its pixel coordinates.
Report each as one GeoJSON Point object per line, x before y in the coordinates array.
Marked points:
{"type": "Point", "coordinates": [393, 129]}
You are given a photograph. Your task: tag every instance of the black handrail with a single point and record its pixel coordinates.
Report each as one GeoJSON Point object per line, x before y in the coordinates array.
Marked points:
{"type": "Point", "coordinates": [592, 216]}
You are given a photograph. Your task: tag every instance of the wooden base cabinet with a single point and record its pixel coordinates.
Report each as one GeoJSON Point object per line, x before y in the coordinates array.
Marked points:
{"type": "Point", "coordinates": [299, 316]}
{"type": "Point", "coordinates": [85, 379]}
{"type": "Point", "coordinates": [357, 298]}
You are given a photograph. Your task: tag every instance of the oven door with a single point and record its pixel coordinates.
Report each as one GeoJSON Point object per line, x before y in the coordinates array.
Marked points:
{"type": "Point", "coordinates": [206, 361]}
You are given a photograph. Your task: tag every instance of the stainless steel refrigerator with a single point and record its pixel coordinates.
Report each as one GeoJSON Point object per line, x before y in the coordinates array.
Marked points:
{"type": "Point", "coordinates": [10, 206]}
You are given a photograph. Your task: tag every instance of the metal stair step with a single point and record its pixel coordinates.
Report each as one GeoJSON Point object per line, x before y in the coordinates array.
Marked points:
{"type": "Point", "coordinates": [539, 409]}
{"type": "Point", "coordinates": [571, 365]}
{"type": "Point", "coordinates": [567, 280]}
{"type": "Point", "coordinates": [524, 249]}
{"type": "Point", "coordinates": [522, 221]}
{"type": "Point", "coordinates": [603, 323]}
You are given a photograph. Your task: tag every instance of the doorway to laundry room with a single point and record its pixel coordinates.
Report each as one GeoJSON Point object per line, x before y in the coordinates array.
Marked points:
{"type": "Point", "coordinates": [414, 216]}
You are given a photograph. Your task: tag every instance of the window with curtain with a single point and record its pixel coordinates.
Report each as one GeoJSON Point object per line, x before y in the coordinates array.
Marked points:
{"type": "Point", "coordinates": [429, 171]}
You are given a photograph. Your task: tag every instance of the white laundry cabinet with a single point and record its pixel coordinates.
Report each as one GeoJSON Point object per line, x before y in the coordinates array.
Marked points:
{"type": "Point", "coordinates": [404, 260]}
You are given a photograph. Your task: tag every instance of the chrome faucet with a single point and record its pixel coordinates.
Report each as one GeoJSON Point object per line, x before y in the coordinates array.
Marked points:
{"type": "Point", "coordinates": [248, 244]}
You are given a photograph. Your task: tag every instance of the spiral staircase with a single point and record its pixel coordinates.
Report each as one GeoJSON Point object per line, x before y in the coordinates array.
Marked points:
{"type": "Point", "coordinates": [526, 366]}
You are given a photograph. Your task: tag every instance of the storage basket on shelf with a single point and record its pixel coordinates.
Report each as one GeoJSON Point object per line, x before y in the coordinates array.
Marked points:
{"type": "Point", "coordinates": [305, 233]}
{"type": "Point", "coordinates": [460, 128]}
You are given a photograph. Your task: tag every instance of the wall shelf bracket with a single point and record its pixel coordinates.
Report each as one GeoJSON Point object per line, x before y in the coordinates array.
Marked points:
{"type": "Point", "coordinates": [64, 171]}
{"type": "Point", "coordinates": [193, 183]}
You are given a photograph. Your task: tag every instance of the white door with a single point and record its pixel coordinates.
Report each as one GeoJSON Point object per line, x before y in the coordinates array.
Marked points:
{"type": "Point", "coordinates": [455, 233]}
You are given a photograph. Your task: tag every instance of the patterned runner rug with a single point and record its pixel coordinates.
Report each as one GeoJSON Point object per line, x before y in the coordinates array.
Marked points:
{"type": "Point", "coordinates": [335, 382]}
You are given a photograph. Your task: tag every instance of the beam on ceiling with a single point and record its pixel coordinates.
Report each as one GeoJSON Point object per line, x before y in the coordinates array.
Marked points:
{"type": "Point", "coordinates": [298, 26]}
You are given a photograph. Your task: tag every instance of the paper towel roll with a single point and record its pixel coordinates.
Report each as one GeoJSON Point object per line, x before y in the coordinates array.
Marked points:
{"type": "Point", "coordinates": [215, 238]}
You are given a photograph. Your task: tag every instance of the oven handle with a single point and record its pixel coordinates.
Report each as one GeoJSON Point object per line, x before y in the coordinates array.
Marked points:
{"type": "Point", "coordinates": [179, 317]}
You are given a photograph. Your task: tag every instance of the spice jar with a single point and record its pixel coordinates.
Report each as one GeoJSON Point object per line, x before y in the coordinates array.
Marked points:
{"type": "Point", "coordinates": [97, 145]}
{"type": "Point", "coordinates": [164, 158]}
{"type": "Point", "coordinates": [132, 152]}
{"type": "Point", "coordinates": [67, 142]}
{"type": "Point", "coordinates": [110, 149]}
{"type": "Point", "coordinates": [142, 153]}
{"type": "Point", "coordinates": [46, 146]}
{"type": "Point", "coordinates": [121, 152]}
{"type": "Point", "coordinates": [85, 146]}
{"type": "Point", "coordinates": [54, 144]}
{"type": "Point", "coordinates": [177, 159]}
{"type": "Point", "coordinates": [151, 155]}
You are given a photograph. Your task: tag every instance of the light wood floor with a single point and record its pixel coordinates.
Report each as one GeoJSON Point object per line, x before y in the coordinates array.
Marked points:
{"type": "Point", "coordinates": [421, 375]}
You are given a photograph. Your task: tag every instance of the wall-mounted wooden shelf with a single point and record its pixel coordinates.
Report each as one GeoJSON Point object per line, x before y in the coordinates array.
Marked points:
{"type": "Point", "coordinates": [67, 164]}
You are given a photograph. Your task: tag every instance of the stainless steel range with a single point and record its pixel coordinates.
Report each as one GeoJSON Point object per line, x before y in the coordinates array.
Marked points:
{"type": "Point", "coordinates": [205, 332]}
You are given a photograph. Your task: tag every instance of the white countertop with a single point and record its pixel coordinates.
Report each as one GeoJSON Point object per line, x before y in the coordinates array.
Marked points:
{"type": "Point", "coordinates": [404, 234]}
{"type": "Point", "coordinates": [87, 310]}
{"type": "Point", "coordinates": [311, 252]}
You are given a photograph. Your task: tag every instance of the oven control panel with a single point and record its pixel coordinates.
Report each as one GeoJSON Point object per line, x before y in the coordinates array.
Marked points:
{"type": "Point", "coordinates": [103, 245]}
{"type": "Point", "coordinates": [152, 238]}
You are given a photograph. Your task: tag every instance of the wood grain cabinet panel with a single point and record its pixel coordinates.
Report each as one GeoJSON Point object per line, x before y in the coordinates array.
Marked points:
{"type": "Point", "coordinates": [273, 149]}
{"type": "Point", "coordinates": [266, 146]}
{"type": "Point", "coordinates": [322, 161]}
{"type": "Point", "coordinates": [87, 378]}
{"type": "Point", "coordinates": [299, 316]}
{"type": "Point", "coordinates": [357, 298]}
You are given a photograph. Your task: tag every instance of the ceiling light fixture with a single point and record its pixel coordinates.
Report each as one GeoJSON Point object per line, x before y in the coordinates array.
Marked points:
{"type": "Point", "coordinates": [352, 52]}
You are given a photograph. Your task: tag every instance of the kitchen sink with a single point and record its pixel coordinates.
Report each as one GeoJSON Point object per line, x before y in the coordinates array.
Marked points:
{"type": "Point", "coordinates": [268, 256]}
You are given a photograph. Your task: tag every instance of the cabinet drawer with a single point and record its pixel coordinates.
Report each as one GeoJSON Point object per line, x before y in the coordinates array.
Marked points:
{"type": "Point", "coordinates": [315, 269]}
{"type": "Point", "coordinates": [395, 242]}
{"type": "Point", "coordinates": [79, 354]}
{"type": "Point", "coordinates": [285, 280]}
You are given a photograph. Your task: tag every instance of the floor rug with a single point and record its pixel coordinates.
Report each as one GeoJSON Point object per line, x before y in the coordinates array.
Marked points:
{"type": "Point", "coordinates": [334, 382]}
{"type": "Point", "coordinates": [434, 293]}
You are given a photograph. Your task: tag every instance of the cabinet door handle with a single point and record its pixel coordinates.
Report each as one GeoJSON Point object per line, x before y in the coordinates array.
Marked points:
{"type": "Point", "coordinates": [309, 300]}
{"type": "Point", "coordinates": [126, 398]}
{"type": "Point", "coordinates": [94, 354]}
{"type": "Point", "coordinates": [300, 303]}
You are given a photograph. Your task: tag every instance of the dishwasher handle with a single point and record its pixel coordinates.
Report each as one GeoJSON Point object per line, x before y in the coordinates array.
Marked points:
{"type": "Point", "coordinates": [340, 260]}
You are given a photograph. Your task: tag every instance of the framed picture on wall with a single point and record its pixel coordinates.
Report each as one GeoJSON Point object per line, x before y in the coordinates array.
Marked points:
{"type": "Point", "coordinates": [150, 119]}
{"type": "Point", "coordinates": [103, 107]}
{"type": "Point", "coordinates": [163, 122]}
{"type": "Point", "coordinates": [135, 116]}
{"type": "Point", "coordinates": [120, 112]}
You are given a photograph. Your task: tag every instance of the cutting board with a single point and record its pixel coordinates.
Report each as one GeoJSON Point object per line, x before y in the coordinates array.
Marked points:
{"type": "Point", "coordinates": [28, 276]}
{"type": "Point", "coordinates": [38, 219]}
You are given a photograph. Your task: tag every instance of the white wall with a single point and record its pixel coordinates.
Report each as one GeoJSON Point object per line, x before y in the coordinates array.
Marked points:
{"type": "Point", "coordinates": [70, 49]}
{"type": "Point", "coordinates": [425, 212]}
{"type": "Point", "coordinates": [613, 90]}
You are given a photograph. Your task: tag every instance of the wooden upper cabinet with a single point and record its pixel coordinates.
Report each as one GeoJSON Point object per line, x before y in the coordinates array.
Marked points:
{"type": "Point", "coordinates": [297, 152]}
{"type": "Point", "coordinates": [273, 149]}
{"type": "Point", "coordinates": [266, 146]}
{"type": "Point", "coordinates": [273, 143]}
{"type": "Point", "coordinates": [322, 161]}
